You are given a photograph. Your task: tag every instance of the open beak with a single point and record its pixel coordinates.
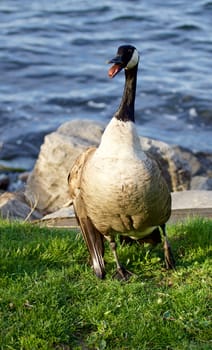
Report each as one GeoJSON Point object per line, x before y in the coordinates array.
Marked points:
{"type": "Point", "coordinates": [116, 67]}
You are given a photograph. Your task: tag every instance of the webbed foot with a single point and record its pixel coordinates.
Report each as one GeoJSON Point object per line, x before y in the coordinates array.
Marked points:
{"type": "Point", "coordinates": [122, 274]}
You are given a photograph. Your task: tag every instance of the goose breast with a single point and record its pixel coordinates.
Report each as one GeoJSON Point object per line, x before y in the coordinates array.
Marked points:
{"type": "Point", "coordinates": [124, 194]}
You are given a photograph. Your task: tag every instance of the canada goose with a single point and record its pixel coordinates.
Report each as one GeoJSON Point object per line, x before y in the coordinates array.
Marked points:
{"type": "Point", "coordinates": [116, 188]}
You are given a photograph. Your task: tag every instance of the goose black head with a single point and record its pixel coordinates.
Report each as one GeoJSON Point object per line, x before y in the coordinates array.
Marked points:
{"type": "Point", "coordinates": [127, 57]}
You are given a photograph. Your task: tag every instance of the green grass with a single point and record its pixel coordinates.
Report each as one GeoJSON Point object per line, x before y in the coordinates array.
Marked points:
{"type": "Point", "coordinates": [50, 299]}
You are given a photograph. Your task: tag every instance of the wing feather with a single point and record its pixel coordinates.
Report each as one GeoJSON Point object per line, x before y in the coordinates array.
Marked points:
{"type": "Point", "coordinates": [92, 237]}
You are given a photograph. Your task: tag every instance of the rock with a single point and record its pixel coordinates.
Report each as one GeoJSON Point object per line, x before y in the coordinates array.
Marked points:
{"type": "Point", "coordinates": [199, 163]}
{"type": "Point", "coordinates": [201, 183]}
{"type": "Point", "coordinates": [200, 168]}
{"type": "Point", "coordinates": [47, 185]}
{"type": "Point", "coordinates": [24, 176]}
{"type": "Point", "coordinates": [174, 167]}
{"type": "Point", "coordinates": [189, 158]}
{"type": "Point", "coordinates": [14, 206]}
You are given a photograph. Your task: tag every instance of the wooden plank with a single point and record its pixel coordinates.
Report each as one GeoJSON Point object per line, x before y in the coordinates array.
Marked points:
{"type": "Point", "coordinates": [178, 215]}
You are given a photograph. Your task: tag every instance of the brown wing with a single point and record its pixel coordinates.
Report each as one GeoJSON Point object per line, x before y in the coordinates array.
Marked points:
{"type": "Point", "coordinates": [75, 175]}
{"type": "Point", "coordinates": [92, 237]}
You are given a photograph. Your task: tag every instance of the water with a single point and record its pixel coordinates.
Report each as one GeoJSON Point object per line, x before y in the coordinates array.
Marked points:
{"type": "Point", "coordinates": [53, 68]}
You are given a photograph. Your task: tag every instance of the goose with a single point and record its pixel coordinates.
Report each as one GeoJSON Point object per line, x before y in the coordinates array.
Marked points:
{"type": "Point", "coordinates": [116, 188]}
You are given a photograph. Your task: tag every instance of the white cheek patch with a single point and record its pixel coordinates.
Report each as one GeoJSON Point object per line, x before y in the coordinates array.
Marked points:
{"type": "Point", "coordinates": [134, 60]}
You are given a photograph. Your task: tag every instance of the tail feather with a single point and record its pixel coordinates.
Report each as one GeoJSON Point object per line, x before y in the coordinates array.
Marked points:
{"type": "Point", "coordinates": [95, 244]}
{"type": "Point", "coordinates": [92, 237]}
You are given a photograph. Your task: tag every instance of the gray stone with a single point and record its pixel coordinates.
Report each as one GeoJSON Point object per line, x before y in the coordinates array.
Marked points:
{"type": "Point", "coordinates": [14, 206]}
{"type": "Point", "coordinates": [175, 169]}
{"type": "Point", "coordinates": [47, 185]}
{"type": "Point", "coordinates": [201, 183]}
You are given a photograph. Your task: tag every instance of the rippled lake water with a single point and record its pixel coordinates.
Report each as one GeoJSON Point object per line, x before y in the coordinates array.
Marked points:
{"type": "Point", "coordinates": [53, 68]}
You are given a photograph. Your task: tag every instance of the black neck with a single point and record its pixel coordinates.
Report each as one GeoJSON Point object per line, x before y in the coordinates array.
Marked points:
{"type": "Point", "coordinates": [126, 109]}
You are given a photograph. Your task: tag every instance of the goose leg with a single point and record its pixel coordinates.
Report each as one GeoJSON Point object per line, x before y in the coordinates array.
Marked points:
{"type": "Point", "coordinates": [169, 257]}
{"type": "Point", "coordinates": [121, 272]}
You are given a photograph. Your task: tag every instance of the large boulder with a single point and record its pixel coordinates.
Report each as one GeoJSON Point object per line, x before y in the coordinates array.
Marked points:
{"type": "Point", "coordinates": [200, 167]}
{"type": "Point", "coordinates": [174, 168]}
{"type": "Point", "coordinates": [47, 185]}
